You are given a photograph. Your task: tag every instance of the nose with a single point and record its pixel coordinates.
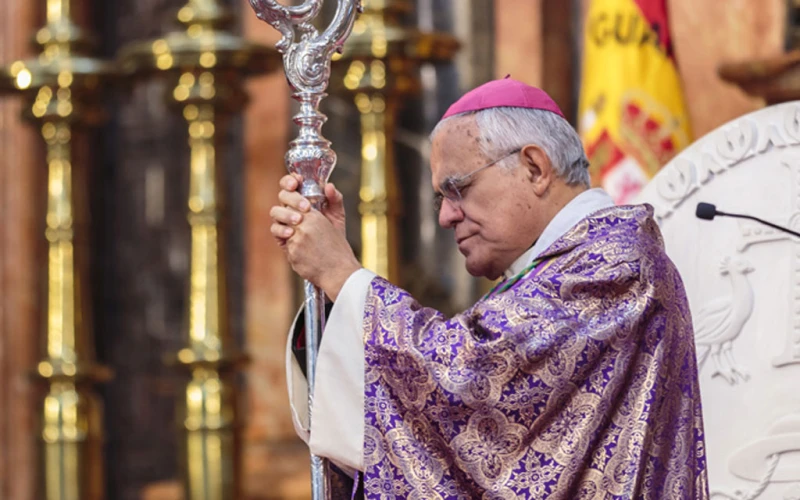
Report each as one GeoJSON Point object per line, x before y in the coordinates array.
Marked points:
{"type": "Point", "coordinates": [450, 214]}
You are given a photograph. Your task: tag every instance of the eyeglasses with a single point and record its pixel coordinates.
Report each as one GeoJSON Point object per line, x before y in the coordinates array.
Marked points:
{"type": "Point", "coordinates": [452, 187]}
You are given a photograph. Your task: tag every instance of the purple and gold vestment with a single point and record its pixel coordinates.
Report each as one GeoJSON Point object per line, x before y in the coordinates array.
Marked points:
{"type": "Point", "coordinates": [577, 382]}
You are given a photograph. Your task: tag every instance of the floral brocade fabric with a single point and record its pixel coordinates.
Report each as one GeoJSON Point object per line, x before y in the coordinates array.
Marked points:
{"type": "Point", "coordinates": [577, 382]}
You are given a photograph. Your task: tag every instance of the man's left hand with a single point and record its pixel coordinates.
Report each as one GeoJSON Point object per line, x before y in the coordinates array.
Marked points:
{"type": "Point", "coordinates": [317, 251]}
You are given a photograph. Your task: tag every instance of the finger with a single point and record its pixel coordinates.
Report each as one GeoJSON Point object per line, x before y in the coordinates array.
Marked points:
{"type": "Point", "coordinates": [285, 215]}
{"type": "Point", "coordinates": [290, 182]}
{"type": "Point", "coordinates": [295, 200]}
{"type": "Point", "coordinates": [311, 222]}
{"type": "Point", "coordinates": [281, 232]}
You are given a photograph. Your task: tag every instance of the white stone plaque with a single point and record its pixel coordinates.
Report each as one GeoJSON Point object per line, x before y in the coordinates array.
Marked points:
{"type": "Point", "coordinates": [743, 282]}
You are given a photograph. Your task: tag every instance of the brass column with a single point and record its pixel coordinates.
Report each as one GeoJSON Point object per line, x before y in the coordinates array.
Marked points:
{"type": "Point", "coordinates": [378, 191]}
{"type": "Point", "coordinates": [206, 66]}
{"type": "Point", "coordinates": [61, 89]}
{"type": "Point", "coordinates": [379, 67]}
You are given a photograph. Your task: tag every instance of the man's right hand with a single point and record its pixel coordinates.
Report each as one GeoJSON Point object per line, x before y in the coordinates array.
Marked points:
{"type": "Point", "coordinates": [294, 205]}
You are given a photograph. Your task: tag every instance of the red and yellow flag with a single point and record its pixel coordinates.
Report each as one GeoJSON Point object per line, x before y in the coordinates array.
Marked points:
{"type": "Point", "coordinates": [632, 116]}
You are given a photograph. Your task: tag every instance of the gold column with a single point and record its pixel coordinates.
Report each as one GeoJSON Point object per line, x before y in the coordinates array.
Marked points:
{"type": "Point", "coordinates": [61, 89]}
{"type": "Point", "coordinates": [379, 67]}
{"type": "Point", "coordinates": [206, 66]}
{"type": "Point", "coordinates": [378, 191]}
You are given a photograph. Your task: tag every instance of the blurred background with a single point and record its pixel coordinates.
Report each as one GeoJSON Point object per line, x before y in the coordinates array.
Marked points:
{"type": "Point", "coordinates": [143, 303]}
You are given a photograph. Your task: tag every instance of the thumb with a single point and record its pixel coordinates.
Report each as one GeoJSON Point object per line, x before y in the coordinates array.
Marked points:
{"type": "Point", "coordinates": [335, 200]}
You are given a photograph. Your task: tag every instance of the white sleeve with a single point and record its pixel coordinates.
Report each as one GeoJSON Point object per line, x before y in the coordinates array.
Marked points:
{"type": "Point", "coordinates": [337, 428]}
{"type": "Point", "coordinates": [298, 387]}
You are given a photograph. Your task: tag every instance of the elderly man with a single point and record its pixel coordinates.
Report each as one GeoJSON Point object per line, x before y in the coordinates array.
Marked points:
{"type": "Point", "coordinates": [575, 377]}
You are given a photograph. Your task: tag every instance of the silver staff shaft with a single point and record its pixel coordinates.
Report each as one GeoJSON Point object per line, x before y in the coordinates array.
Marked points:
{"type": "Point", "coordinates": [315, 324]}
{"type": "Point", "coordinates": [307, 62]}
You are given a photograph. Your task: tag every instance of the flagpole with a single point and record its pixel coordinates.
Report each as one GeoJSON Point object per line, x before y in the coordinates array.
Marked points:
{"type": "Point", "coordinates": [307, 62]}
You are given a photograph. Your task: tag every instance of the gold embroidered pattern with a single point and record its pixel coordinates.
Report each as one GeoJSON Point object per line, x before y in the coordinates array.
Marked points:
{"type": "Point", "coordinates": [577, 381]}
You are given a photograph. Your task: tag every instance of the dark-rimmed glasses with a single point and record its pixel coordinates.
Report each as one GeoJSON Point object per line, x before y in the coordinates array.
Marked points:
{"type": "Point", "coordinates": [452, 186]}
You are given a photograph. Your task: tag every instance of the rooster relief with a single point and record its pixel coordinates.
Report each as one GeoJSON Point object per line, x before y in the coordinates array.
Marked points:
{"type": "Point", "coordinates": [720, 322]}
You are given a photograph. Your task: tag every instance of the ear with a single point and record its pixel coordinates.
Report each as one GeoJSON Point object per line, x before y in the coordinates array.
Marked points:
{"type": "Point", "coordinates": [538, 168]}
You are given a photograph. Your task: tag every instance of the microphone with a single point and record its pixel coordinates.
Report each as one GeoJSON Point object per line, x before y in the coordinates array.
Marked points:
{"type": "Point", "coordinates": [707, 211]}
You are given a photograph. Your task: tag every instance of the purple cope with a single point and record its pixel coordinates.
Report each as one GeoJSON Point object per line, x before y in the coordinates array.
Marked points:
{"type": "Point", "coordinates": [577, 382]}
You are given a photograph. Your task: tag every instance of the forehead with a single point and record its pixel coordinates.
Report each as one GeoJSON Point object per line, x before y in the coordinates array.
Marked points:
{"type": "Point", "coordinates": [455, 149]}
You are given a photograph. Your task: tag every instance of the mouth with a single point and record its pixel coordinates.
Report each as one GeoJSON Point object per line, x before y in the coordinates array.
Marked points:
{"type": "Point", "coordinates": [462, 239]}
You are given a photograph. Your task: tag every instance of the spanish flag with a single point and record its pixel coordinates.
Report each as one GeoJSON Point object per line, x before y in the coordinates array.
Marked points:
{"type": "Point", "coordinates": [632, 116]}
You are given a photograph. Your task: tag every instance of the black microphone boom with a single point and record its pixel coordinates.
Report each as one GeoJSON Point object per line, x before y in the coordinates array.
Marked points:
{"type": "Point", "coordinates": [707, 211]}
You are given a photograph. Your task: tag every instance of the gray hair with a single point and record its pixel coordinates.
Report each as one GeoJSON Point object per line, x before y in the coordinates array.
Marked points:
{"type": "Point", "coordinates": [505, 129]}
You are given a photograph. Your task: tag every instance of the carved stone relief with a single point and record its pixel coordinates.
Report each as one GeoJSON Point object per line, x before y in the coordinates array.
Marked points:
{"type": "Point", "coordinates": [743, 283]}
{"type": "Point", "coordinates": [720, 322]}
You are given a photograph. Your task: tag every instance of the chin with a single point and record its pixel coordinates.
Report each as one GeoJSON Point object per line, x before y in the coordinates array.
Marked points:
{"type": "Point", "coordinates": [481, 269]}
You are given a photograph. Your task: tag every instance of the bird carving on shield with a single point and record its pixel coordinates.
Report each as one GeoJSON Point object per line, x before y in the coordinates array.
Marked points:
{"type": "Point", "coordinates": [720, 322]}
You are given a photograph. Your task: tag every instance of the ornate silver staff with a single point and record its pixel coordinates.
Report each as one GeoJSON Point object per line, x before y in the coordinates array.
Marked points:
{"type": "Point", "coordinates": [308, 70]}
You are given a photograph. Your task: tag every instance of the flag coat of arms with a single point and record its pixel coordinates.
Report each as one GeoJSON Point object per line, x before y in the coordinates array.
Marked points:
{"type": "Point", "coordinates": [632, 114]}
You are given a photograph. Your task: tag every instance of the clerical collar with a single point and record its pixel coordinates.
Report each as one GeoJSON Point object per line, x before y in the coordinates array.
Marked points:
{"type": "Point", "coordinates": [573, 212]}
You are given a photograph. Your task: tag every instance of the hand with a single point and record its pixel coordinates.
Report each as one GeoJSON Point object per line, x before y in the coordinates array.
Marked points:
{"type": "Point", "coordinates": [295, 206]}
{"type": "Point", "coordinates": [314, 242]}
{"type": "Point", "coordinates": [320, 253]}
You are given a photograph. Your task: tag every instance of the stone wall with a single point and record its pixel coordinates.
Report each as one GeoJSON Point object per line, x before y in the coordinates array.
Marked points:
{"type": "Point", "coordinates": [708, 34]}
{"type": "Point", "coordinates": [22, 190]}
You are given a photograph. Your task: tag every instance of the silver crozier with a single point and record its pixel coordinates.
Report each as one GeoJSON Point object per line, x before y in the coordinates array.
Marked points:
{"type": "Point", "coordinates": [307, 62]}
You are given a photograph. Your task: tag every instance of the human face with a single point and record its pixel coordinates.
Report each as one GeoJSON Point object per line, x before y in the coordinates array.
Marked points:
{"type": "Point", "coordinates": [451, 188]}
{"type": "Point", "coordinates": [492, 219]}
